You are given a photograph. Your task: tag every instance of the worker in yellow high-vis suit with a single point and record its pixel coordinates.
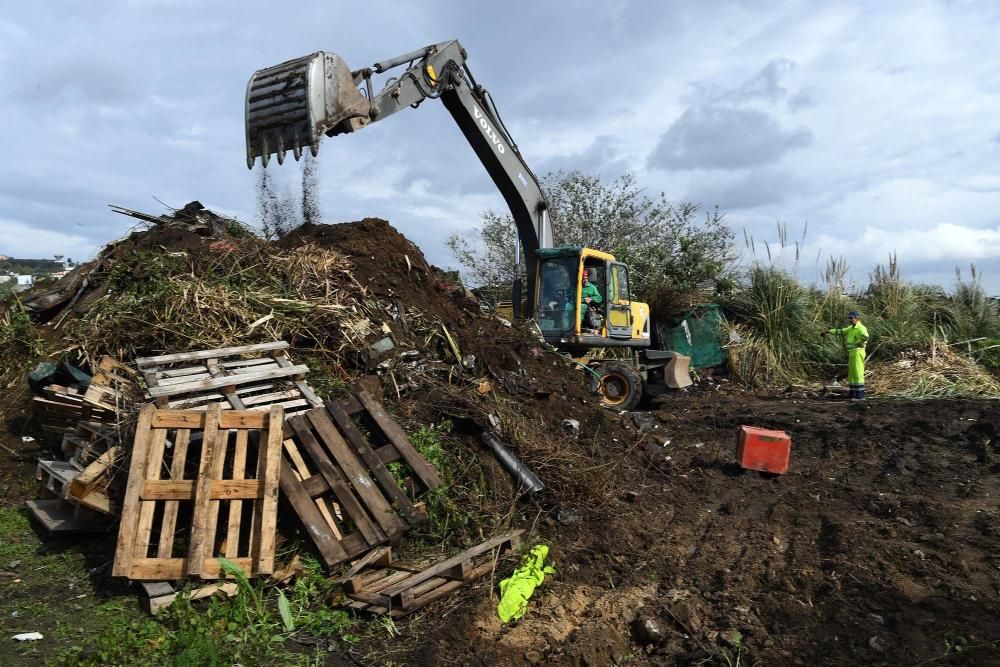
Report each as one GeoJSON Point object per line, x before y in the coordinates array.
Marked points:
{"type": "Point", "coordinates": [855, 338]}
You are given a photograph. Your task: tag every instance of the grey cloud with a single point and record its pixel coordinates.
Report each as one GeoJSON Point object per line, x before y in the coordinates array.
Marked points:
{"type": "Point", "coordinates": [766, 84]}
{"type": "Point", "coordinates": [602, 157]}
{"type": "Point", "coordinates": [802, 100]}
{"type": "Point", "coordinates": [746, 191]}
{"type": "Point", "coordinates": [710, 137]}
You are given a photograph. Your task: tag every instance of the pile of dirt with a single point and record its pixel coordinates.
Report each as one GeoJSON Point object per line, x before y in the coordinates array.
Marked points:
{"type": "Point", "coordinates": [879, 547]}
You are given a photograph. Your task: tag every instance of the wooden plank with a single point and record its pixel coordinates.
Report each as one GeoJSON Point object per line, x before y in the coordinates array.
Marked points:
{"type": "Point", "coordinates": [271, 455]}
{"type": "Point", "coordinates": [236, 506]}
{"type": "Point", "coordinates": [355, 471]}
{"type": "Point", "coordinates": [182, 439]}
{"type": "Point", "coordinates": [380, 557]}
{"type": "Point", "coordinates": [219, 489]}
{"type": "Point", "coordinates": [196, 419]}
{"type": "Point", "coordinates": [302, 472]}
{"type": "Point", "coordinates": [351, 406]}
{"type": "Point", "coordinates": [315, 485]}
{"type": "Point", "coordinates": [219, 465]}
{"type": "Point", "coordinates": [336, 481]}
{"type": "Point", "coordinates": [228, 380]}
{"type": "Point", "coordinates": [314, 523]}
{"type": "Point", "coordinates": [385, 479]}
{"type": "Point", "coordinates": [158, 569]}
{"type": "Point", "coordinates": [424, 470]}
{"type": "Point", "coordinates": [143, 533]}
{"type": "Point", "coordinates": [176, 372]}
{"type": "Point", "coordinates": [270, 398]}
{"type": "Point", "coordinates": [449, 563]}
{"type": "Point", "coordinates": [301, 385]}
{"type": "Point", "coordinates": [210, 354]}
{"type": "Point", "coordinates": [133, 490]}
{"type": "Point", "coordinates": [84, 482]}
{"type": "Point", "coordinates": [209, 451]}
{"type": "Point", "coordinates": [243, 363]}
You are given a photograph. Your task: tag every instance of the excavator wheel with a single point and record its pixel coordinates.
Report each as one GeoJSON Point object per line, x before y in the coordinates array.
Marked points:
{"type": "Point", "coordinates": [618, 384]}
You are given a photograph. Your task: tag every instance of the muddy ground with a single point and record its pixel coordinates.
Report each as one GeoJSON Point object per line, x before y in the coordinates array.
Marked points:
{"type": "Point", "coordinates": [881, 545]}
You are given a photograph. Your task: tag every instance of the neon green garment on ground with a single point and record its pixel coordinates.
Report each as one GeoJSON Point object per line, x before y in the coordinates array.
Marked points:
{"type": "Point", "coordinates": [855, 339]}
{"type": "Point", "coordinates": [590, 289]}
{"type": "Point", "coordinates": [516, 590]}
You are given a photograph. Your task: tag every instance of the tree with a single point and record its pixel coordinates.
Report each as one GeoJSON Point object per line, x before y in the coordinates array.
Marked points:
{"type": "Point", "coordinates": [666, 245]}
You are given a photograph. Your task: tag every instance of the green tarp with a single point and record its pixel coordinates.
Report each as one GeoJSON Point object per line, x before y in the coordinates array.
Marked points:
{"type": "Point", "coordinates": [696, 334]}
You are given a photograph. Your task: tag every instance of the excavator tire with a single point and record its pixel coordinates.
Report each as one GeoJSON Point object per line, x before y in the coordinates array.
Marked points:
{"type": "Point", "coordinates": [618, 384]}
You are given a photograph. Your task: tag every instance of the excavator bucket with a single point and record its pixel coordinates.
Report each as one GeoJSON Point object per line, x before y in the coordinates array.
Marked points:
{"type": "Point", "coordinates": [292, 105]}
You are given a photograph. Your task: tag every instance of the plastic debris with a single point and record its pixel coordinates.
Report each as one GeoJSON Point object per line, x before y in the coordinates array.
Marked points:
{"type": "Point", "coordinates": [28, 637]}
{"type": "Point", "coordinates": [516, 590]}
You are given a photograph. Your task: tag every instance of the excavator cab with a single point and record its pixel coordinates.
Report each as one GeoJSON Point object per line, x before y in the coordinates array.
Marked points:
{"type": "Point", "coordinates": [611, 319]}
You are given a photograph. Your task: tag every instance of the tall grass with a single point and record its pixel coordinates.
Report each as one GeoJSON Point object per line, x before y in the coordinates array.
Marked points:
{"type": "Point", "coordinates": [775, 321]}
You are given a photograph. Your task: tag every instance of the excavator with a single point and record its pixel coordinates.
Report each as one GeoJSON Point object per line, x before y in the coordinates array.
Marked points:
{"type": "Point", "coordinates": [291, 106]}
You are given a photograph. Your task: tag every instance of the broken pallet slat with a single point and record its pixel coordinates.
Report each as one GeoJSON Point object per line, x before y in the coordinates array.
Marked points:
{"type": "Point", "coordinates": [399, 589]}
{"type": "Point", "coordinates": [421, 468]}
{"type": "Point", "coordinates": [216, 496]}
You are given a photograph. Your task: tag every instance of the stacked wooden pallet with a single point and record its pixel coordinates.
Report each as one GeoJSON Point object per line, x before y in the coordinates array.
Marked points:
{"type": "Point", "coordinates": [249, 377]}
{"type": "Point", "coordinates": [87, 424]}
{"type": "Point", "coordinates": [60, 409]}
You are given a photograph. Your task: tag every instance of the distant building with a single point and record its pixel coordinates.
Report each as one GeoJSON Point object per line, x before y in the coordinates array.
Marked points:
{"type": "Point", "coordinates": [6, 279]}
{"type": "Point", "coordinates": [25, 280]}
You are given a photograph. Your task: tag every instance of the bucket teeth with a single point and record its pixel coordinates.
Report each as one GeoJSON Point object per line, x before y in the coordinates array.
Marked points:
{"type": "Point", "coordinates": [314, 148]}
{"type": "Point", "coordinates": [297, 150]}
{"type": "Point", "coordinates": [250, 162]}
{"type": "Point", "coordinates": [281, 150]}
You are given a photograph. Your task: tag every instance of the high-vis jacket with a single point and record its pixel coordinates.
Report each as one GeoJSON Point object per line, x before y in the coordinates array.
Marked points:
{"type": "Point", "coordinates": [855, 335]}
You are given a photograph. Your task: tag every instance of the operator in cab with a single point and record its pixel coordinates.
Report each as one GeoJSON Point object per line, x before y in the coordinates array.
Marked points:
{"type": "Point", "coordinates": [590, 293]}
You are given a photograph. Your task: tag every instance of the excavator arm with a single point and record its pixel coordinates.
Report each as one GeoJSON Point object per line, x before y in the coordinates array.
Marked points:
{"type": "Point", "coordinates": [290, 106]}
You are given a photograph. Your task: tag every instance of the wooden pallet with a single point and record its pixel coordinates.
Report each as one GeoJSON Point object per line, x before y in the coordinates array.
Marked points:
{"type": "Point", "coordinates": [399, 589]}
{"type": "Point", "coordinates": [339, 485]}
{"type": "Point", "coordinates": [203, 484]}
{"type": "Point", "coordinates": [193, 380]}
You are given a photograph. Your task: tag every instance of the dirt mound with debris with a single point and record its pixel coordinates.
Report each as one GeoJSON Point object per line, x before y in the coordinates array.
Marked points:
{"type": "Point", "coordinates": [879, 547]}
{"type": "Point", "coordinates": [385, 262]}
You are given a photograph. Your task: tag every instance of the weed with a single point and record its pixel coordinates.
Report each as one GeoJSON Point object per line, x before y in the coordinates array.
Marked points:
{"type": "Point", "coordinates": [20, 344]}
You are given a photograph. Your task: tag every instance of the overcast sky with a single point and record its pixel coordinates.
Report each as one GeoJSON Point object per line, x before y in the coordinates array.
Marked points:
{"type": "Point", "coordinates": [877, 123]}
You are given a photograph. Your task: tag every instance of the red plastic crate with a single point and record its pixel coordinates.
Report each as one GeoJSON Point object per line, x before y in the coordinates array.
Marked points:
{"type": "Point", "coordinates": [760, 449]}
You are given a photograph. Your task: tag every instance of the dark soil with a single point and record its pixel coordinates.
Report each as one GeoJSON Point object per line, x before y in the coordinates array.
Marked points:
{"type": "Point", "coordinates": [880, 546]}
